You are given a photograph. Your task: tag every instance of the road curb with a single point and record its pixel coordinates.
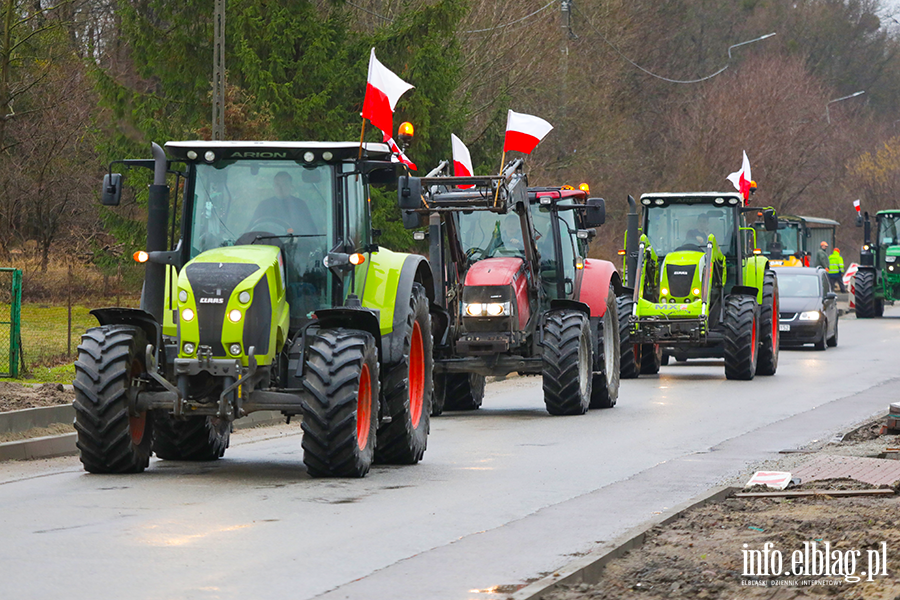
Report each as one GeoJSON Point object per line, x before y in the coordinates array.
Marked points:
{"type": "Point", "coordinates": [589, 568]}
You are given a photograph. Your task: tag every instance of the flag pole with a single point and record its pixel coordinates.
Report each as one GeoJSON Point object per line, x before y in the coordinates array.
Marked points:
{"type": "Point", "coordinates": [362, 133]}
{"type": "Point", "coordinates": [497, 194]}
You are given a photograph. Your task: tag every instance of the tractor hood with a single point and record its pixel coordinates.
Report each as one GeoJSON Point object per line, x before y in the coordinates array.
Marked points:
{"type": "Point", "coordinates": [892, 251]}
{"type": "Point", "coordinates": [494, 271]}
{"type": "Point", "coordinates": [681, 272]}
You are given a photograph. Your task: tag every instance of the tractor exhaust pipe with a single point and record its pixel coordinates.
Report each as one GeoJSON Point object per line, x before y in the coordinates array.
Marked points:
{"type": "Point", "coordinates": [153, 298]}
{"type": "Point", "coordinates": [631, 243]}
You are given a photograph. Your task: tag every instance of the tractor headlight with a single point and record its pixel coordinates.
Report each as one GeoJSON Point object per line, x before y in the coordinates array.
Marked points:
{"type": "Point", "coordinates": [183, 295]}
{"type": "Point", "coordinates": [890, 258]}
{"type": "Point", "coordinates": [487, 309]}
{"type": "Point", "coordinates": [810, 315]}
{"type": "Point", "coordinates": [235, 316]}
{"type": "Point", "coordinates": [187, 314]}
{"type": "Point", "coordinates": [244, 297]}
{"type": "Point", "coordinates": [696, 291]}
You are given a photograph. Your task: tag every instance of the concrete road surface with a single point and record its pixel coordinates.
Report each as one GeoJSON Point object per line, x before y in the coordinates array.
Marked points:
{"type": "Point", "coordinates": [505, 494]}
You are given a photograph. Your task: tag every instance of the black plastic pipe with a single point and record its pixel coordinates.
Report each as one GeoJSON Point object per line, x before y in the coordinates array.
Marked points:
{"type": "Point", "coordinates": [153, 298]}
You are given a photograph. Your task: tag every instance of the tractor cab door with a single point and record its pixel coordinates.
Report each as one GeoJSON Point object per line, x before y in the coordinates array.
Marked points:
{"type": "Point", "coordinates": [556, 245]}
{"type": "Point", "coordinates": [356, 231]}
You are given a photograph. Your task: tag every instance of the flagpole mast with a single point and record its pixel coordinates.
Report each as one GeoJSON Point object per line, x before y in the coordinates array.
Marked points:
{"type": "Point", "coordinates": [362, 133]}
{"type": "Point", "coordinates": [497, 194]}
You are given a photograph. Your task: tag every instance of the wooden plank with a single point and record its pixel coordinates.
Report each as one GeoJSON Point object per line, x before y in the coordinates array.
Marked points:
{"type": "Point", "coordinates": [801, 493]}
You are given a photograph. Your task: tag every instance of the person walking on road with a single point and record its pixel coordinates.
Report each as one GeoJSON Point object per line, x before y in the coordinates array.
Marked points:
{"type": "Point", "coordinates": [822, 256]}
{"type": "Point", "coordinates": [836, 270]}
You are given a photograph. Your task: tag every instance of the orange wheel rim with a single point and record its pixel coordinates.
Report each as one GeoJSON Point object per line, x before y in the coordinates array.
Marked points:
{"type": "Point", "coordinates": [753, 341]}
{"type": "Point", "coordinates": [416, 375]}
{"type": "Point", "coordinates": [364, 408]}
{"type": "Point", "coordinates": [774, 323]}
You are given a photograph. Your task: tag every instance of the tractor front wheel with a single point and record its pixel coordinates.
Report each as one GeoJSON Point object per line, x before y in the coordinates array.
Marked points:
{"type": "Point", "coordinates": [767, 363]}
{"type": "Point", "coordinates": [407, 390]}
{"type": "Point", "coordinates": [629, 353]}
{"type": "Point", "coordinates": [341, 417]}
{"type": "Point", "coordinates": [605, 386]}
{"type": "Point", "coordinates": [459, 391]}
{"type": "Point", "coordinates": [651, 359]}
{"type": "Point", "coordinates": [741, 337]}
{"type": "Point", "coordinates": [567, 362]}
{"type": "Point", "coordinates": [193, 438]}
{"type": "Point", "coordinates": [864, 295]}
{"type": "Point", "coordinates": [111, 436]}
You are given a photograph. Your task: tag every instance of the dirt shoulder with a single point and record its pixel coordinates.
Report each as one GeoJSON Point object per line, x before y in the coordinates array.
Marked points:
{"type": "Point", "coordinates": [718, 550]}
{"type": "Point", "coordinates": [16, 396]}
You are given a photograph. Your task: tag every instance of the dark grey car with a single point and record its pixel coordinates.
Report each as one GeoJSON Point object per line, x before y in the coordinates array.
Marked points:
{"type": "Point", "coordinates": [807, 308]}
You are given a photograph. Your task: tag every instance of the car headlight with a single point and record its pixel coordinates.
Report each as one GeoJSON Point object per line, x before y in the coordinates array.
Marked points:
{"type": "Point", "coordinates": [487, 309]}
{"type": "Point", "coordinates": [810, 315]}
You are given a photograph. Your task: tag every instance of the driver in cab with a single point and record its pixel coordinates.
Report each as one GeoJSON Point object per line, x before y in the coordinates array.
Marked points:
{"type": "Point", "coordinates": [700, 234]}
{"type": "Point", "coordinates": [285, 207]}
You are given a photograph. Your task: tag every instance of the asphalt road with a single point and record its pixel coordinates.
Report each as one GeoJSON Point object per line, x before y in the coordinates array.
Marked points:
{"type": "Point", "coordinates": [505, 494]}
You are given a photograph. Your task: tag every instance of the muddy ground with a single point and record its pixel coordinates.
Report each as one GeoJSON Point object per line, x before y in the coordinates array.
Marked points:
{"type": "Point", "coordinates": [702, 554]}
{"type": "Point", "coordinates": [16, 396]}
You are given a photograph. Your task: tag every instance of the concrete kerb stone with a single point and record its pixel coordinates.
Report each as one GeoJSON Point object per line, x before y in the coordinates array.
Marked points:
{"type": "Point", "coordinates": [589, 568]}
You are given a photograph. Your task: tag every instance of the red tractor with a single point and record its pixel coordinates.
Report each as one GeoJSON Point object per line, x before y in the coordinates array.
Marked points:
{"type": "Point", "coordinates": [516, 291]}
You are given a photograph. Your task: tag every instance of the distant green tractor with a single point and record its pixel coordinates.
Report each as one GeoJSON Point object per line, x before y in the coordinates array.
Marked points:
{"type": "Point", "coordinates": [878, 276]}
{"type": "Point", "coordinates": [272, 296]}
{"type": "Point", "coordinates": [699, 290]}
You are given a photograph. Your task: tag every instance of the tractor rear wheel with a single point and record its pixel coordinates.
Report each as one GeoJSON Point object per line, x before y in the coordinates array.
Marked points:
{"type": "Point", "coordinates": [605, 386]}
{"type": "Point", "coordinates": [341, 417]}
{"type": "Point", "coordinates": [741, 337]}
{"type": "Point", "coordinates": [651, 359]}
{"type": "Point", "coordinates": [767, 363]}
{"type": "Point", "coordinates": [407, 390]}
{"type": "Point", "coordinates": [630, 353]}
{"type": "Point", "coordinates": [459, 391]}
{"type": "Point", "coordinates": [112, 438]}
{"type": "Point", "coordinates": [567, 362]}
{"type": "Point", "coordinates": [193, 438]}
{"type": "Point", "coordinates": [864, 294]}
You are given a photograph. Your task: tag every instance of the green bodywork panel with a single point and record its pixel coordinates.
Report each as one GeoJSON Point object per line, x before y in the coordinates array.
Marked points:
{"type": "Point", "coordinates": [381, 283]}
{"type": "Point", "coordinates": [754, 274]}
{"type": "Point", "coordinates": [269, 262]}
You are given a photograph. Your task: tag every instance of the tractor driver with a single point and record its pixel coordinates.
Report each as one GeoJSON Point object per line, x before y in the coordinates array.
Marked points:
{"type": "Point", "coordinates": [700, 233]}
{"type": "Point", "coordinates": [284, 206]}
{"type": "Point", "coordinates": [511, 234]}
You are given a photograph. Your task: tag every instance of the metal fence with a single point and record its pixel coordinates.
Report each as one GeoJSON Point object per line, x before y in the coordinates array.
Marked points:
{"type": "Point", "coordinates": [10, 310]}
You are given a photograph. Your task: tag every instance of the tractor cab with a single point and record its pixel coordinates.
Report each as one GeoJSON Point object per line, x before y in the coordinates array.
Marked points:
{"type": "Point", "coordinates": [792, 244]}
{"type": "Point", "coordinates": [878, 278]}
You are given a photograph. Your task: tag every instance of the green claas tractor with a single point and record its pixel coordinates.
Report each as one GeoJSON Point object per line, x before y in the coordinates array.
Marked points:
{"type": "Point", "coordinates": [265, 293]}
{"type": "Point", "coordinates": [699, 289]}
{"type": "Point", "coordinates": [878, 278]}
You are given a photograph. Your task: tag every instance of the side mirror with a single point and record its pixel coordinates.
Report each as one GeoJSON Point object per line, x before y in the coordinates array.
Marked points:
{"type": "Point", "coordinates": [595, 215]}
{"type": "Point", "coordinates": [830, 295]}
{"type": "Point", "coordinates": [409, 192]}
{"type": "Point", "coordinates": [412, 220]}
{"type": "Point", "coordinates": [770, 219]}
{"type": "Point", "coordinates": [111, 194]}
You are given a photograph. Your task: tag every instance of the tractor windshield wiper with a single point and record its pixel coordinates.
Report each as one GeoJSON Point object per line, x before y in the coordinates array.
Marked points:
{"type": "Point", "coordinates": [287, 235]}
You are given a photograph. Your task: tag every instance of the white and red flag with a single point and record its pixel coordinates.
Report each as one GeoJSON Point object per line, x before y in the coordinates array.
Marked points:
{"type": "Point", "coordinates": [524, 132]}
{"type": "Point", "coordinates": [856, 205]}
{"type": "Point", "coordinates": [383, 90]}
{"type": "Point", "coordinates": [397, 154]}
{"type": "Point", "coordinates": [741, 179]}
{"type": "Point", "coordinates": [462, 160]}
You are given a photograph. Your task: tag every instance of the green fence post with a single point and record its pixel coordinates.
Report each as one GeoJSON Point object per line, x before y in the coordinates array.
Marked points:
{"type": "Point", "coordinates": [15, 323]}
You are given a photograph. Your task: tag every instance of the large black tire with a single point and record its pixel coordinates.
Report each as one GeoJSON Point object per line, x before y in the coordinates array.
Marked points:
{"type": "Point", "coordinates": [605, 386]}
{"type": "Point", "coordinates": [630, 353]}
{"type": "Point", "coordinates": [651, 359]}
{"type": "Point", "coordinates": [567, 362]}
{"type": "Point", "coordinates": [459, 391]}
{"type": "Point", "coordinates": [741, 337]}
{"type": "Point", "coordinates": [833, 340]}
{"type": "Point", "coordinates": [110, 438]}
{"type": "Point", "coordinates": [341, 417]}
{"type": "Point", "coordinates": [879, 308]}
{"type": "Point", "coordinates": [407, 389]}
{"type": "Point", "coordinates": [769, 337]}
{"type": "Point", "coordinates": [864, 294]}
{"type": "Point", "coordinates": [193, 438]}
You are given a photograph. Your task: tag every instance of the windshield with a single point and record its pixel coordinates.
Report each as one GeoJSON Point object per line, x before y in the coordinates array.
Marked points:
{"type": "Point", "coordinates": [278, 203]}
{"type": "Point", "coordinates": [788, 235]}
{"type": "Point", "coordinates": [798, 285]}
{"type": "Point", "coordinates": [485, 234]}
{"type": "Point", "coordinates": [887, 230]}
{"type": "Point", "coordinates": [686, 227]}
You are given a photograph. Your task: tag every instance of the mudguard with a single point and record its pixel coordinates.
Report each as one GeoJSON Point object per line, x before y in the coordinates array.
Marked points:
{"type": "Point", "coordinates": [389, 283]}
{"type": "Point", "coordinates": [593, 284]}
{"type": "Point", "coordinates": [135, 317]}
{"type": "Point", "coordinates": [754, 273]}
{"type": "Point", "coordinates": [352, 318]}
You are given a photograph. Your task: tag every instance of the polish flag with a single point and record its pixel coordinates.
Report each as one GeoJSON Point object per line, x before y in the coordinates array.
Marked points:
{"type": "Point", "coordinates": [397, 154]}
{"type": "Point", "coordinates": [524, 132]}
{"type": "Point", "coordinates": [383, 90]}
{"type": "Point", "coordinates": [856, 205]}
{"type": "Point", "coordinates": [741, 179]}
{"type": "Point", "coordinates": [462, 160]}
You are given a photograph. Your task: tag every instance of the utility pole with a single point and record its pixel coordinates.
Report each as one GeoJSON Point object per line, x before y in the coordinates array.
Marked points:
{"type": "Point", "coordinates": [565, 14]}
{"type": "Point", "coordinates": [218, 103]}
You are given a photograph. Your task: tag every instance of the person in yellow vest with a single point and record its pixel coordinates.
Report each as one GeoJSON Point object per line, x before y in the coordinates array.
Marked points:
{"type": "Point", "coordinates": [836, 269]}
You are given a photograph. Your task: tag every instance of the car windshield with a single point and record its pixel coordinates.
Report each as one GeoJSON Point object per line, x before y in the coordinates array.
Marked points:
{"type": "Point", "coordinates": [798, 285]}
{"type": "Point", "coordinates": [279, 203]}
{"type": "Point", "coordinates": [788, 236]}
{"type": "Point", "coordinates": [485, 234]}
{"type": "Point", "coordinates": [887, 229]}
{"type": "Point", "coordinates": [678, 226]}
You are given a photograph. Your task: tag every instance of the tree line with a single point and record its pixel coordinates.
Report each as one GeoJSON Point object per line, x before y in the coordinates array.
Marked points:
{"type": "Point", "coordinates": [645, 95]}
